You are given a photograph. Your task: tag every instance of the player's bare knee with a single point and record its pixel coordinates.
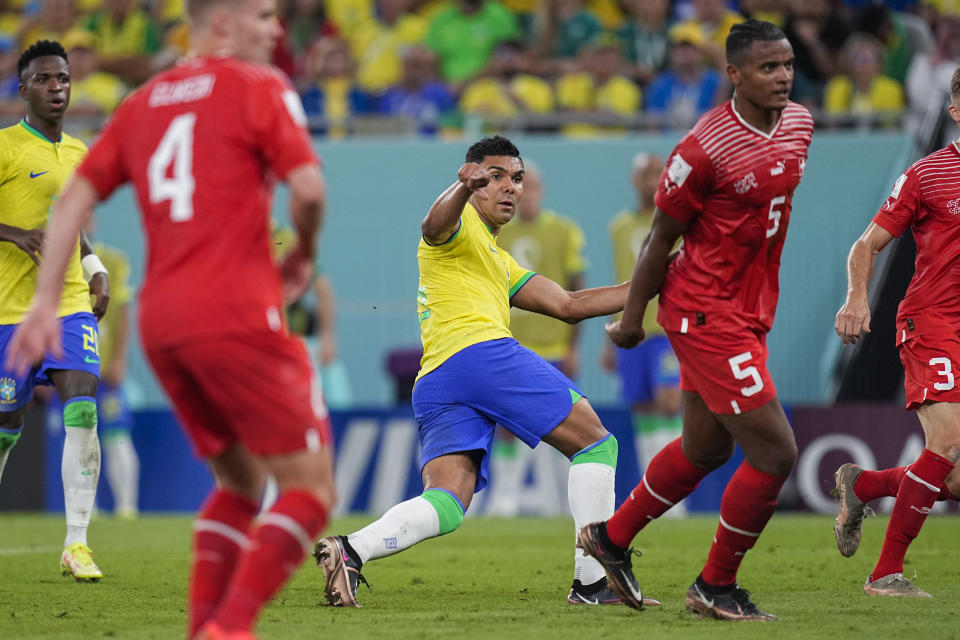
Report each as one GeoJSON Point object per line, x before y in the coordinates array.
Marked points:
{"type": "Point", "coordinates": [707, 455]}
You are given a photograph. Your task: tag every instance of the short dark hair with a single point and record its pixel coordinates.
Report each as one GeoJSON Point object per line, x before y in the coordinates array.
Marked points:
{"type": "Point", "coordinates": [491, 146]}
{"type": "Point", "coordinates": [743, 35]}
{"type": "Point", "coordinates": [39, 49]}
{"type": "Point", "coordinates": [955, 85]}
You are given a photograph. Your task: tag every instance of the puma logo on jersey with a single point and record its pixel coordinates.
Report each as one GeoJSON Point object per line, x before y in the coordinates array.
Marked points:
{"type": "Point", "coordinates": [953, 207]}
{"type": "Point", "coordinates": [745, 183]}
{"type": "Point", "coordinates": [777, 170]}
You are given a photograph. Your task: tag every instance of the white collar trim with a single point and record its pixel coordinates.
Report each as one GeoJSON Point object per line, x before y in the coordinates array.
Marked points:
{"type": "Point", "coordinates": [768, 136]}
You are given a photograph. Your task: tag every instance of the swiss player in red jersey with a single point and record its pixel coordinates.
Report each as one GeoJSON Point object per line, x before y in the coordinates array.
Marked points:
{"type": "Point", "coordinates": [727, 190]}
{"type": "Point", "coordinates": [202, 144]}
{"type": "Point", "coordinates": [926, 200]}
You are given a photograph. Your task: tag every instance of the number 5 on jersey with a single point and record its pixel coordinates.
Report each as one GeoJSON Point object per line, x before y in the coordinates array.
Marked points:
{"type": "Point", "coordinates": [176, 185]}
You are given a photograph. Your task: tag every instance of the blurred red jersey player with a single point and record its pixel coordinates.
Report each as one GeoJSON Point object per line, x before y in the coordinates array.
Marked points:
{"type": "Point", "coordinates": [727, 191]}
{"type": "Point", "coordinates": [202, 144]}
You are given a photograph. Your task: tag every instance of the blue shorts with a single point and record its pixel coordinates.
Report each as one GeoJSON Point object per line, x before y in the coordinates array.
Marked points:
{"type": "Point", "coordinates": [81, 352]}
{"type": "Point", "coordinates": [458, 404]}
{"type": "Point", "coordinates": [647, 367]}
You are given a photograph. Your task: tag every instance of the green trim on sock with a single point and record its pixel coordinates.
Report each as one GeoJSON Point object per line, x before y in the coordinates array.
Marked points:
{"type": "Point", "coordinates": [574, 397]}
{"type": "Point", "coordinates": [80, 414]}
{"type": "Point", "coordinates": [505, 448]}
{"type": "Point", "coordinates": [647, 423]}
{"type": "Point", "coordinates": [7, 440]}
{"type": "Point", "coordinates": [448, 509]}
{"type": "Point", "coordinates": [114, 435]}
{"type": "Point", "coordinates": [603, 453]}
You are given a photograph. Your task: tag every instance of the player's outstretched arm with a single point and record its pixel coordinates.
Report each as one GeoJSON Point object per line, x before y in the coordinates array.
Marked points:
{"type": "Point", "coordinates": [443, 219]}
{"type": "Point", "coordinates": [542, 295]}
{"type": "Point", "coordinates": [308, 198]}
{"type": "Point", "coordinates": [853, 318]}
{"type": "Point", "coordinates": [39, 331]}
{"type": "Point", "coordinates": [648, 274]}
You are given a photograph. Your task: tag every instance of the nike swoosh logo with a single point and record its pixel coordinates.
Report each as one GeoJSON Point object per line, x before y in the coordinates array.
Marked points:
{"type": "Point", "coordinates": [588, 601]}
{"type": "Point", "coordinates": [90, 360]}
{"type": "Point", "coordinates": [37, 175]}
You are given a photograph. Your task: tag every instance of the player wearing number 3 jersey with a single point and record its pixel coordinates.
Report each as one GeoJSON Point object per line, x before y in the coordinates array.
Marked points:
{"type": "Point", "coordinates": [727, 191]}
{"type": "Point", "coordinates": [202, 144]}
{"type": "Point", "coordinates": [925, 199]}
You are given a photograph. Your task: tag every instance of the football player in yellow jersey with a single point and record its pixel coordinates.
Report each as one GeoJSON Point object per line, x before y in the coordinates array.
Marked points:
{"type": "Point", "coordinates": [650, 372]}
{"type": "Point", "coordinates": [36, 158]}
{"type": "Point", "coordinates": [474, 375]}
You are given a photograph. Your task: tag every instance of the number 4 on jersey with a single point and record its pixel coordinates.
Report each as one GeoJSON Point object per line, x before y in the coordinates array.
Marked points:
{"type": "Point", "coordinates": [175, 148]}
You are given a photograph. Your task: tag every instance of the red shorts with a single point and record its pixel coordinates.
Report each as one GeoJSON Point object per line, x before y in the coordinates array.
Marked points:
{"type": "Point", "coordinates": [727, 370]}
{"type": "Point", "coordinates": [930, 368]}
{"type": "Point", "coordinates": [255, 389]}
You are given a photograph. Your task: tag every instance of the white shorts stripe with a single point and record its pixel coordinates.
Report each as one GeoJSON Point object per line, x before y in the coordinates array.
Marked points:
{"type": "Point", "coordinates": [289, 525]}
{"type": "Point", "coordinates": [903, 337]}
{"type": "Point", "coordinates": [213, 526]}
{"type": "Point", "coordinates": [684, 325]}
{"type": "Point", "coordinates": [736, 407]}
{"type": "Point", "coordinates": [655, 494]}
{"type": "Point", "coordinates": [922, 481]}
{"type": "Point", "coordinates": [742, 532]}
{"type": "Point", "coordinates": [924, 394]}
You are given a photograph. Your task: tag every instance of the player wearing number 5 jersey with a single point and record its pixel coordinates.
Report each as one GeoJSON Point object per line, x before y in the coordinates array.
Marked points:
{"type": "Point", "coordinates": [926, 200]}
{"type": "Point", "coordinates": [203, 143]}
{"type": "Point", "coordinates": [727, 191]}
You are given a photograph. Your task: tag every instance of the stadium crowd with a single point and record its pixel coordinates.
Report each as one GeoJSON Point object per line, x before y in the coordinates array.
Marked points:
{"type": "Point", "coordinates": [577, 66]}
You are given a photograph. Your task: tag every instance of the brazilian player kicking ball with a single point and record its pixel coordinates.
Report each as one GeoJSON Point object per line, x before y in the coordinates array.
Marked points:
{"type": "Point", "coordinates": [36, 158]}
{"type": "Point", "coordinates": [474, 375]}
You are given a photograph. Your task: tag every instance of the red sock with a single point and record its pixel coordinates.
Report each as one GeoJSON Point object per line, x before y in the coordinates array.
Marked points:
{"type": "Point", "coordinates": [276, 549]}
{"type": "Point", "coordinates": [748, 503]}
{"type": "Point", "coordinates": [219, 535]}
{"type": "Point", "coordinates": [878, 484]}
{"type": "Point", "coordinates": [669, 479]}
{"type": "Point", "coordinates": [918, 491]}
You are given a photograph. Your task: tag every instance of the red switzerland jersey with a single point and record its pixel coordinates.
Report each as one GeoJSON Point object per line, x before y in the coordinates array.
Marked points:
{"type": "Point", "coordinates": [927, 199]}
{"type": "Point", "coordinates": [734, 185]}
{"type": "Point", "coordinates": [202, 144]}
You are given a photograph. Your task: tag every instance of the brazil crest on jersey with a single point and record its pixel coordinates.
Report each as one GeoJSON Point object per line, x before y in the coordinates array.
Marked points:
{"type": "Point", "coordinates": [32, 172]}
{"type": "Point", "coordinates": [465, 288]}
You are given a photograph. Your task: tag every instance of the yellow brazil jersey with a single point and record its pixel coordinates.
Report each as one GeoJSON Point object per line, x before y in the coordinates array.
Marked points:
{"type": "Point", "coordinates": [553, 247]}
{"type": "Point", "coordinates": [465, 289]}
{"type": "Point", "coordinates": [32, 172]}
{"type": "Point", "coordinates": [121, 294]}
{"type": "Point", "coordinates": [627, 232]}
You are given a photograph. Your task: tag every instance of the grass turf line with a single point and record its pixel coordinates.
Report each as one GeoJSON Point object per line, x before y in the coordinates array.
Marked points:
{"type": "Point", "coordinates": [493, 578]}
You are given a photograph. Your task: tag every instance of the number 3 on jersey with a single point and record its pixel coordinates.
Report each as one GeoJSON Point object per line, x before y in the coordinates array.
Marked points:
{"type": "Point", "coordinates": [175, 148]}
{"type": "Point", "coordinates": [946, 372]}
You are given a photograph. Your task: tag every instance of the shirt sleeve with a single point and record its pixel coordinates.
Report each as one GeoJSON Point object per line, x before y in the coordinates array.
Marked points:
{"type": "Point", "coordinates": [103, 166]}
{"type": "Point", "coordinates": [685, 183]}
{"type": "Point", "coordinates": [518, 275]}
{"type": "Point", "coordinates": [279, 125]}
{"type": "Point", "coordinates": [900, 209]}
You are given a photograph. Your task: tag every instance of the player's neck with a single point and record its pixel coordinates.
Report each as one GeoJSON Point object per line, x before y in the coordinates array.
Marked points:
{"type": "Point", "coordinates": [758, 117]}
{"type": "Point", "coordinates": [52, 131]}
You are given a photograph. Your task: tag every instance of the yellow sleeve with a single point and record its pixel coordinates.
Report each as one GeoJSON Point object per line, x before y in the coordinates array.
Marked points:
{"type": "Point", "coordinates": [7, 170]}
{"type": "Point", "coordinates": [575, 91]}
{"type": "Point", "coordinates": [518, 275]}
{"type": "Point", "coordinates": [888, 95]}
{"type": "Point", "coordinates": [619, 95]}
{"type": "Point", "coordinates": [576, 262]}
{"type": "Point", "coordinates": [533, 93]}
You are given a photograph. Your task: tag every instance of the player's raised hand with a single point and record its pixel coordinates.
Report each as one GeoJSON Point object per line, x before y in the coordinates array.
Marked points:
{"type": "Point", "coordinates": [853, 319]}
{"type": "Point", "coordinates": [475, 178]}
{"type": "Point", "coordinates": [37, 335]}
{"type": "Point", "coordinates": [100, 288]}
{"type": "Point", "coordinates": [30, 241]}
{"type": "Point", "coordinates": [296, 270]}
{"type": "Point", "coordinates": [623, 337]}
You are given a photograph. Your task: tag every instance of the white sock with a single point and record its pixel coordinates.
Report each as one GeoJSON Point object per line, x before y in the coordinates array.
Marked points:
{"type": "Point", "coordinates": [3, 459]}
{"type": "Point", "coordinates": [590, 490]}
{"type": "Point", "coordinates": [401, 527]}
{"type": "Point", "coordinates": [80, 470]}
{"type": "Point", "coordinates": [123, 471]}
{"type": "Point", "coordinates": [649, 445]}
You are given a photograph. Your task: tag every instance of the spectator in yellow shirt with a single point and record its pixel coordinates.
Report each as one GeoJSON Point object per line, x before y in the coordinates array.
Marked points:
{"type": "Point", "coordinates": [509, 89]}
{"type": "Point", "coordinates": [601, 88]}
{"type": "Point", "coordinates": [92, 92]}
{"type": "Point", "coordinates": [708, 29]}
{"type": "Point", "coordinates": [55, 19]}
{"type": "Point", "coordinates": [126, 38]}
{"type": "Point", "coordinates": [378, 43]}
{"type": "Point", "coordinates": [863, 89]}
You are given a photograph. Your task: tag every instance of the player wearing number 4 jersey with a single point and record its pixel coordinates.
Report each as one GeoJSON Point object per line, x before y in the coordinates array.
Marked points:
{"type": "Point", "coordinates": [925, 199]}
{"type": "Point", "coordinates": [202, 143]}
{"type": "Point", "coordinates": [727, 190]}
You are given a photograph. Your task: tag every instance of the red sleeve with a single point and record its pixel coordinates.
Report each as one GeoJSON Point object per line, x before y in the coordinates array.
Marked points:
{"type": "Point", "coordinates": [900, 209]}
{"type": "Point", "coordinates": [685, 182]}
{"type": "Point", "coordinates": [103, 166]}
{"type": "Point", "coordinates": [279, 125]}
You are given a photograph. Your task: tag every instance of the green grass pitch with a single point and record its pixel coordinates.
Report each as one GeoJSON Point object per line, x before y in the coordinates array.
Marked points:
{"type": "Point", "coordinates": [494, 578]}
